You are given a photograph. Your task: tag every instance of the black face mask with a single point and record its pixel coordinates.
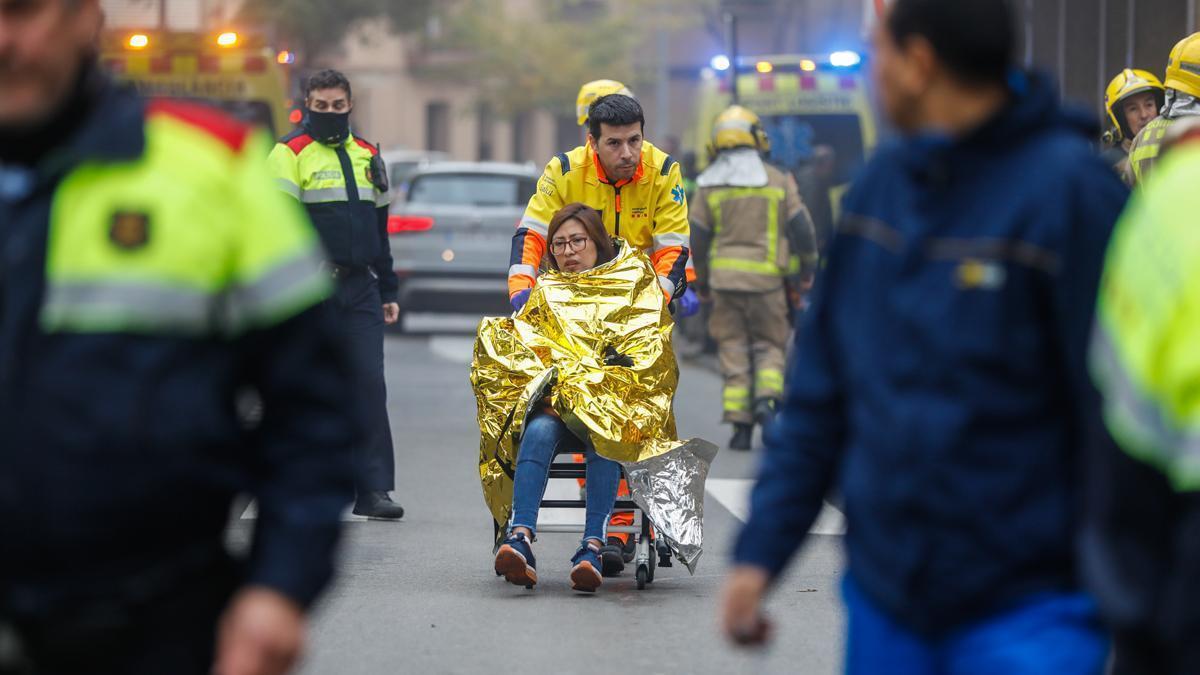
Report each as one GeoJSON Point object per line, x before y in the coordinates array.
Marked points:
{"type": "Point", "coordinates": [330, 128]}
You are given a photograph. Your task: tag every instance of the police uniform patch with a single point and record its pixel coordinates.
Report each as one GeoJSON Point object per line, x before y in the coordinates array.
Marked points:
{"type": "Point", "coordinates": [979, 274]}
{"type": "Point", "coordinates": [129, 229]}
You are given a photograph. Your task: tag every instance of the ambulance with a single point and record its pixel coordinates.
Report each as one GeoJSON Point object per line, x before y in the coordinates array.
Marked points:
{"type": "Point", "coordinates": [239, 74]}
{"type": "Point", "coordinates": [804, 101]}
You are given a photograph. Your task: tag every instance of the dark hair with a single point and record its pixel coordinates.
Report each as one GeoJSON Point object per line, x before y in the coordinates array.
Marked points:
{"type": "Point", "coordinates": [592, 223]}
{"type": "Point", "coordinates": [616, 110]}
{"type": "Point", "coordinates": [327, 79]}
{"type": "Point", "coordinates": [974, 39]}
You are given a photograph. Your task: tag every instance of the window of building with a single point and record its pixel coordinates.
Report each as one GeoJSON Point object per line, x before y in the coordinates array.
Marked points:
{"type": "Point", "coordinates": [437, 126]}
{"type": "Point", "coordinates": [484, 125]}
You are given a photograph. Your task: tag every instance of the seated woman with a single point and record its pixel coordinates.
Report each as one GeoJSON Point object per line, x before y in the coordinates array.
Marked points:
{"type": "Point", "coordinates": [578, 242]}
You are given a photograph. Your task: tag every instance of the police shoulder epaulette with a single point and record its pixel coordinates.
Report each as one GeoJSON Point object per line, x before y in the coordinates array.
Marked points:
{"type": "Point", "coordinates": [666, 167]}
{"type": "Point", "coordinates": [297, 140]}
{"type": "Point", "coordinates": [372, 149]}
{"type": "Point", "coordinates": [218, 125]}
{"type": "Point", "coordinates": [564, 162]}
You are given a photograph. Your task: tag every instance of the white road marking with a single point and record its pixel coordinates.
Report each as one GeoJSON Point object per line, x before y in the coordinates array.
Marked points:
{"type": "Point", "coordinates": [561, 488]}
{"type": "Point", "coordinates": [734, 495]}
{"type": "Point", "coordinates": [452, 348]}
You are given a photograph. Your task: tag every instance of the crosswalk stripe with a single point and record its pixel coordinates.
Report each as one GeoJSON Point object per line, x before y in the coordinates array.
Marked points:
{"type": "Point", "coordinates": [734, 495]}
{"type": "Point", "coordinates": [455, 349]}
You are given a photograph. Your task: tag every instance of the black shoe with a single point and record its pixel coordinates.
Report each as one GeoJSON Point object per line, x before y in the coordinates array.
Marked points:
{"type": "Point", "coordinates": [764, 411]}
{"type": "Point", "coordinates": [628, 549]}
{"type": "Point", "coordinates": [611, 562]}
{"type": "Point", "coordinates": [377, 505]}
{"type": "Point", "coordinates": [742, 435]}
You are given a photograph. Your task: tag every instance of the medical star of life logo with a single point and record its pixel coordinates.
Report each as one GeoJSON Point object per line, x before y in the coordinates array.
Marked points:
{"type": "Point", "coordinates": [677, 194]}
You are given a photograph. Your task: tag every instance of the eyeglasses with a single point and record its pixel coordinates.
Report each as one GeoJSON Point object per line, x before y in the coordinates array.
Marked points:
{"type": "Point", "coordinates": [577, 244]}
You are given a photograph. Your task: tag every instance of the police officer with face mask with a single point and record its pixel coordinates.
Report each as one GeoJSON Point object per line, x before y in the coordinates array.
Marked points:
{"type": "Point", "coordinates": [341, 180]}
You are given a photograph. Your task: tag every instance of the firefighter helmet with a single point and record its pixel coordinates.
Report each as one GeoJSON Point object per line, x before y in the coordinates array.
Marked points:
{"type": "Point", "coordinates": [1183, 68]}
{"type": "Point", "coordinates": [738, 127]}
{"type": "Point", "coordinates": [1127, 83]}
{"type": "Point", "coordinates": [594, 90]}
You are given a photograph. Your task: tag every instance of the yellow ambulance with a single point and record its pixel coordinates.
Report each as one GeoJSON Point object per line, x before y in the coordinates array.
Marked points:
{"type": "Point", "coordinates": [807, 102]}
{"type": "Point", "coordinates": [239, 74]}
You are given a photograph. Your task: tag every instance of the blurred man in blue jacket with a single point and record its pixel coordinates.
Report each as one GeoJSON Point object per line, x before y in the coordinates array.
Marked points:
{"type": "Point", "coordinates": [940, 380]}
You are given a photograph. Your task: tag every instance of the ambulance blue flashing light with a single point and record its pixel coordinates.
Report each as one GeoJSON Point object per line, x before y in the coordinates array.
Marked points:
{"type": "Point", "coordinates": [845, 59]}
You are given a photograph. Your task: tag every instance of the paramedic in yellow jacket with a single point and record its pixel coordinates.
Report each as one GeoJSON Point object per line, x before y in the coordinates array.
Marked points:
{"type": "Point", "coordinates": [752, 233]}
{"type": "Point", "coordinates": [636, 187]}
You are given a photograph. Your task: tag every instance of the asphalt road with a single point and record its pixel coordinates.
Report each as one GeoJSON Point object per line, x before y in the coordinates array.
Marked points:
{"type": "Point", "coordinates": [419, 596]}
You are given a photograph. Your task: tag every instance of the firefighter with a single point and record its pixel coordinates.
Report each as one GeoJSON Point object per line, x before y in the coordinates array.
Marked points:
{"type": "Point", "coordinates": [635, 186]}
{"type": "Point", "coordinates": [1132, 100]}
{"type": "Point", "coordinates": [1182, 100]}
{"type": "Point", "coordinates": [1141, 539]}
{"type": "Point", "coordinates": [151, 272]}
{"type": "Point", "coordinates": [341, 180]}
{"type": "Point", "coordinates": [752, 233]}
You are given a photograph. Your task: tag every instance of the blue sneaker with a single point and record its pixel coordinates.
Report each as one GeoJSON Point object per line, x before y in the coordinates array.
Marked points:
{"type": "Point", "coordinates": [515, 561]}
{"type": "Point", "coordinates": [585, 575]}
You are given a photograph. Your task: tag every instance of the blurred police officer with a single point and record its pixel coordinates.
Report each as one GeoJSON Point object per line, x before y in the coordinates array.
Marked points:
{"type": "Point", "coordinates": [150, 274]}
{"type": "Point", "coordinates": [940, 379]}
{"type": "Point", "coordinates": [751, 232]}
{"type": "Point", "coordinates": [341, 180]}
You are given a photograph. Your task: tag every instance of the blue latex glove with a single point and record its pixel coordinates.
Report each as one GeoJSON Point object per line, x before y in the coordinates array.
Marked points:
{"type": "Point", "coordinates": [519, 299]}
{"type": "Point", "coordinates": [689, 304]}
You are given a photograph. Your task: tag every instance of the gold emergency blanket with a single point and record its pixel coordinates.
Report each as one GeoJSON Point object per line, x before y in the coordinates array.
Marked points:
{"type": "Point", "coordinates": [561, 352]}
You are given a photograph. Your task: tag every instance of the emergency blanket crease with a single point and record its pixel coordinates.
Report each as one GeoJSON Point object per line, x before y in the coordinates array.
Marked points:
{"type": "Point", "coordinates": [559, 353]}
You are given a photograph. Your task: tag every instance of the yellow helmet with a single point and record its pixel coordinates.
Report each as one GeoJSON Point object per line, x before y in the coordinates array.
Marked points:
{"type": "Point", "coordinates": [1183, 68]}
{"type": "Point", "coordinates": [1127, 83]}
{"type": "Point", "coordinates": [594, 90]}
{"type": "Point", "coordinates": [738, 127]}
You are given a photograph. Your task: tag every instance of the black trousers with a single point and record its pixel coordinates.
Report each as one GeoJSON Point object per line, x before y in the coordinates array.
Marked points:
{"type": "Point", "coordinates": [169, 630]}
{"type": "Point", "coordinates": [359, 311]}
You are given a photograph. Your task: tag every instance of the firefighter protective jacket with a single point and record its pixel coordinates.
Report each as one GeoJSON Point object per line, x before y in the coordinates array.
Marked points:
{"type": "Point", "coordinates": [758, 234]}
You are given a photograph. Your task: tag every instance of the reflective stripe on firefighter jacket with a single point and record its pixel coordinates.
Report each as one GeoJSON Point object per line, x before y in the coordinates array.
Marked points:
{"type": "Point", "coordinates": [750, 247]}
{"type": "Point", "coordinates": [1145, 354]}
{"type": "Point", "coordinates": [1143, 152]}
{"type": "Point", "coordinates": [649, 211]}
{"type": "Point", "coordinates": [336, 186]}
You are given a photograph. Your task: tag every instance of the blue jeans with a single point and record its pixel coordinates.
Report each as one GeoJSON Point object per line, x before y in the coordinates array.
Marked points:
{"type": "Point", "coordinates": [1048, 634]}
{"type": "Point", "coordinates": [546, 435]}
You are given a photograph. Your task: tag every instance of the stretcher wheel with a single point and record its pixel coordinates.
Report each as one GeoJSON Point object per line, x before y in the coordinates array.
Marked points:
{"type": "Point", "coordinates": [642, 577]}
{"type": "Point", "coordinates": [664, 553]}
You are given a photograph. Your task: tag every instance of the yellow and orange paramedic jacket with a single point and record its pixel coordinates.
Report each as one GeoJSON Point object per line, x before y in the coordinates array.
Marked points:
{"type": "Point", "coordinates": [649, 211]}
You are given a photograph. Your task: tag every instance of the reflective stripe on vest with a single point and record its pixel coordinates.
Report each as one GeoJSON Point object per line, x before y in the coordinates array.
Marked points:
{"type": "Point", "coordinates": [152, 246]}
{"type": "Point", "coordinates": [775, 197]}
{"type": "Point", "coordinates": [1143, 155]}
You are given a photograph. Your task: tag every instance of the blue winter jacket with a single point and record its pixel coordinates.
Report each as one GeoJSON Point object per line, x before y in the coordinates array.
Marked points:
{"type": "Point", "coordinates": [939, 380]}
